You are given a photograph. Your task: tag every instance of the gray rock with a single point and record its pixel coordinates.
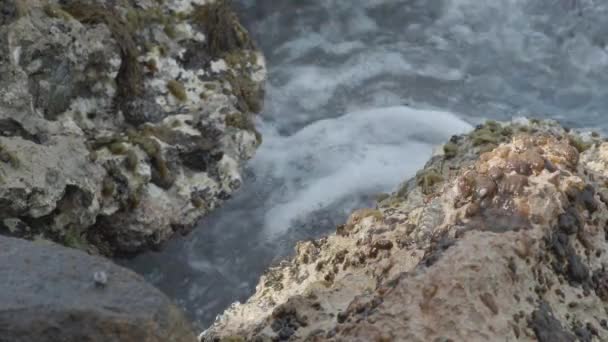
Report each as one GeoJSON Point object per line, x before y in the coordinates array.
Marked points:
{"type": "Point", "coordinates": [104, 127]}
{"type": "Point", "coordinates": [47, 293]}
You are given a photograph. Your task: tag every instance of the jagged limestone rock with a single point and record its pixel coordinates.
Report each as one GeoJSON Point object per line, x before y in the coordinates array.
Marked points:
{"type": "Point", "coordinates": [507, 241]}
{"type": "Point", "coordinates": [117, 118]}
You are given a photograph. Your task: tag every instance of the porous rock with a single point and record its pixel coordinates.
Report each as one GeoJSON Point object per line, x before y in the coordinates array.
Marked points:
{"type": "Point", "coordinates": [117, 118]}
{"type": "Point", "coordinates": [502, 238]}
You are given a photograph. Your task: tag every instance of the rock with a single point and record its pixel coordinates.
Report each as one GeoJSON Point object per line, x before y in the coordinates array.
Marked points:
{"type": "Point", "coordinates": [504, 237]}
{"type": "Point", "coordinates": [117, 118]}
{"type": "Point", "coordinates": [48, 293]}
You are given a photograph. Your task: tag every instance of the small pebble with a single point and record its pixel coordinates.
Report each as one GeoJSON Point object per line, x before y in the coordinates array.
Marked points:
{"type": "Point", "coordinates": [100, 278]}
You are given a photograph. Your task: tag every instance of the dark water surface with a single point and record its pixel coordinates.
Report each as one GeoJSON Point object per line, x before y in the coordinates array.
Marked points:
{"type": "Point", "coordinates": [339, 124]}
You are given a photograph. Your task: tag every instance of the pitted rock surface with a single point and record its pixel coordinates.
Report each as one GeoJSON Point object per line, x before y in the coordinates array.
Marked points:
{"type": "Point", "coordinates": [122, 122]}
{"type": "Point", "coordinates": [502, 236]}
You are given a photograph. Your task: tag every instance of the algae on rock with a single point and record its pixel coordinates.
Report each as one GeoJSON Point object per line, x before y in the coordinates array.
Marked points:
{"type": "Point", "coordinates": [102, 106]}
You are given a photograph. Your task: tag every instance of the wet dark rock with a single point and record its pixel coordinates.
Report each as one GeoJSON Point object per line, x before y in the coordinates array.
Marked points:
{"type": "Point", "coordinates": [584, 333]}
{"type": "Point", "coordinates": [585, 198]}
{"type": "Point", "coordinates": [11, 128]}
{"type": "Point", "coordinates": [383, 244]}
{"type": "Point", "coordinates": [600, 283]}
{"type": "Point", "coordinates": [436, 250]}
{"type": "Point", "coordinates": [569, 222]}
{"type": "Point", "coordinates": [49, 293]}
{"type": "Point", "coordinates": [200, 159]}
{"type": "Point", "coordinates": [546, 327]}
{"type": "Point", "coordinates": [196, 56]}
{"type": "Point", "coordinates": [577, 270]}
{"type": "Point", "coordinates": [140, 111]}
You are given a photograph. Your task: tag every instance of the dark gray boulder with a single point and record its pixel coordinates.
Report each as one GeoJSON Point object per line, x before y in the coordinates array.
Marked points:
{"type": "Point", "coordinates": [52, 293]}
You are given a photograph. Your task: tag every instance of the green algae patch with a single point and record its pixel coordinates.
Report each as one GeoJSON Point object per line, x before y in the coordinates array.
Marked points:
{"type": "Point", "coordinates": [239, 120]}
{"type": "Point", "coordinates": [242, 121]}
{"type": "Point", "coordinates": [148, 144]}
{"type": "Point", "coordinates": [161, 173]}
{"type": "Point", "coordinates": [55, 11]}
{"type": "Point", "coordinates": [232, 338]}
{"type": "Point", "coordinates": [238, 59]}
{"type": "Point", "coordinates": [74, 238]}
{"type": "Point", "coordinates": [450, 150]}
{"type": "Point", "coordinates": [578, 143]}
{"type": "Point", "coordinates": [117, 148]}
{"type": "Point", "coordinates": [427, 179]}
{"type": "Point", "coordinates": [131, 161]}
{"type": "Point", "coordinates": [490, 135]}
{"type": "Point", "coordinates": [197, 202]}
{"type": "Point", "coordinates": [177, 90]}
{"type": "Point", "coordinates": [369, 212]}
{"type": "Point", "coordinates": [484, 136]}
{"type": "Point", "coordinates": [9, 157]}
{"type": "Point", "coordinates": [247, 92]}
{"type": "Point", "coordinates": [170, 31]}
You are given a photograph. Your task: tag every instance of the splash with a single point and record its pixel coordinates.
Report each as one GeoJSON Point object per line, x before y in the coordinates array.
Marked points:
{"type": "Point", "coordinates": [331, 160]}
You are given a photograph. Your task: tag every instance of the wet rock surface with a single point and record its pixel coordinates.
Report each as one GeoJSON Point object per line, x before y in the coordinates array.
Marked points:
{"type": "Point", "coordinates": [52, 293]}
{"type": "Point", "coordinates": [502, 236]}
{"type": "Point", "coordinates": [122, 122]}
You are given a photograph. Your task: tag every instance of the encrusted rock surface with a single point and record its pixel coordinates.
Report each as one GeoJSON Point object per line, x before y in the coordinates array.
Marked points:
{"type": "Point", "coordinates": [122, 122]}
{"type": "Point", "coordinates": [502, 237]}
{"type": "Point", "coordinates": [50, 293]}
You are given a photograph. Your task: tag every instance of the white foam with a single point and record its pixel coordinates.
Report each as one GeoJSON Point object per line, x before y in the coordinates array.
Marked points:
{"type": "Point", "coordinates": [334, 159]}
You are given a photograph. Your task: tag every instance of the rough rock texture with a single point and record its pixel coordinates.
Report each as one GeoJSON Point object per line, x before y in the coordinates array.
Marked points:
{"type": "Point", "coordinates": [503, 236]}
{"type": "Point", "coordinates": [122, 122]}
{"type": "Point", "coordinates": [52, 293]}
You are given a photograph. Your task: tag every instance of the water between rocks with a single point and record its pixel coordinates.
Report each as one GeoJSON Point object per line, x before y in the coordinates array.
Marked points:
{"type": "Point", "coordinates": [359, 93]}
